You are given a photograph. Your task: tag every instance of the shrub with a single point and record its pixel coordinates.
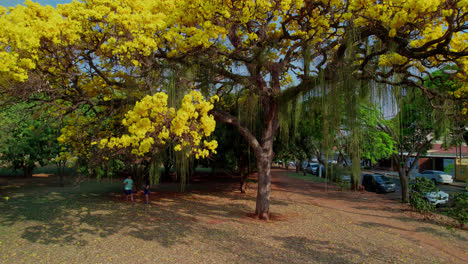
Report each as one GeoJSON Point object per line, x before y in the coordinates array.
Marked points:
{"type": "Point", "coordinates": [418, 189]}
{"type": "Point", "coordinates": [459, 207]}
{"type": "Point", "coordinates": [336, 172]}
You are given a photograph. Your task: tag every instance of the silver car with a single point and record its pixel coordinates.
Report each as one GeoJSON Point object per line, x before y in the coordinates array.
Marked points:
{"type": "Point", "coordinates": [437, 176]}
{"type": "Point", "coordinates": [437, 198]}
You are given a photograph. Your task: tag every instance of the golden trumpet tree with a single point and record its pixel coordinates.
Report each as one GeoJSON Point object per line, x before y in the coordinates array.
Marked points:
{"type": "Point", "coordinates": [151, 124]}
{"type": "Point", "coordinates": [106, 53]}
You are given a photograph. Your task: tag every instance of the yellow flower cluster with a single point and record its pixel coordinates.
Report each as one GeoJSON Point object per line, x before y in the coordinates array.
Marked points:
{"type": "Point", "coordinates": [393, 14]}
{"type": "Point", "coordinates": [132, 31]}
{"type": "Point", "coordinates": [392, 59]}
{"type": "Point", "coordinates": [74, 135]}
{"type": "Point", "coordinates": [425, 21]}
{"type": "Point", "coordinates": [63, 156]}
{"type": "Point", "coordinates": [151, 124]}
{"type": "Point", "coordinates": [22, 29]}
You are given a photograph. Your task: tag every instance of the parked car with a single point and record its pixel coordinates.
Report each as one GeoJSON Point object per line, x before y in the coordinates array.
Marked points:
{"type": "Point", "coordinates": [437, 176]}
{"type": "Point", "coordinates": [312, 168]}
{"type": "Point", "coordinates": [437, 198]}
{"type": "Point", "coordinates": [378, 183]}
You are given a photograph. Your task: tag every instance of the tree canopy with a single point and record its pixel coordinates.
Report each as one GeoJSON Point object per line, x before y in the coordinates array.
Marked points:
{"type": "Point", "coordinates": [102, 54]}
{"type": "Point", "coordinates": [28, 138]}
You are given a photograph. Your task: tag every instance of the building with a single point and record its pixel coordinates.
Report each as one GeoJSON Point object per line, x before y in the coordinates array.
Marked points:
{"type": "Point", "coordinates": [453, 160]}
{"type": "Point", "coordinates": [439, 158]}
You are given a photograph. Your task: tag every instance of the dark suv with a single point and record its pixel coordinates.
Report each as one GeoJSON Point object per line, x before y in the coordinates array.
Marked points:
{"type": "Point", "coordinates": [377, 183]}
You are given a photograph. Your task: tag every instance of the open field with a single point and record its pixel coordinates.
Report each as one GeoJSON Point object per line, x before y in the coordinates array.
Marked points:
{"type": "Point", "coordinates": [93, 223]}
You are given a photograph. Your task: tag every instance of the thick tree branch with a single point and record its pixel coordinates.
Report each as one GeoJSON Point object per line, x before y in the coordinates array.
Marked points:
{"type": "Point", "coordinates": [225, 117]}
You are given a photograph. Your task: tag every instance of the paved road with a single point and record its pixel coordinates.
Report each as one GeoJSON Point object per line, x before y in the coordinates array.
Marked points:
{"type": "Point", "coordinates": [444, 187]}
{"type": "Point", "coordinates": [450, 189]}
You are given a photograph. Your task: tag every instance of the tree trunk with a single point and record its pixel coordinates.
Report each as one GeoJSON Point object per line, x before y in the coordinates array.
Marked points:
{"type": "Point", "coordinates": [244, 173]}
{"type": "Point", "coordinates": [61, 171]}
{"type": "Point", "coordinates": [243, 183]}
{"type": "Point", "coordinates": [138, 172]}
{"type": "Point", "coordinates": [298, 166]}
{"type": "Point", "coordinates": [166, 177]}
{"type": "Point", "coordinates": [62, 184]}
{"type": "Point", "coordinates": [27, 171]}
{"type": "Point", "coordinates": [465, 137]}
{"type": "Point", "coordinates": [264, 181]}
{"type": "Point", "coordinates": [404, 182]}
{"type": "Point", "coordinates": [263, 151]}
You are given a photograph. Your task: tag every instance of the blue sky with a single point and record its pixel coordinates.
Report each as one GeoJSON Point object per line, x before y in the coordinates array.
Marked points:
{"type": "Point", "coordinates": [42, 2]}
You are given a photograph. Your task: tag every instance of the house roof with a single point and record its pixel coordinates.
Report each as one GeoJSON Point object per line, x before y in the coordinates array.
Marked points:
{"type": "Point", "coordinates": [439, 151]}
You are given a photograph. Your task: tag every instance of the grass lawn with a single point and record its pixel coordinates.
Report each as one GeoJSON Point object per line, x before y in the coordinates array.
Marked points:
{"type": "Point", "coordinates": [50, 169]}
{"type": "Point", "coordinates": [92, 223]}
{"type": "Point", "coordinates": [313, 178]}
{"type": "Point", "coordinates": [307, 176]}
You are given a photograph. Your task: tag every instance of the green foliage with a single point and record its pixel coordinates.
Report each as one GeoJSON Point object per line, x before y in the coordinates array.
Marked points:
{"type": "Point", "coordinates": [459, 207]}
{"type": "Point", "coordinates": [412, 131]}
{"type": "Point", "coordinates": [418, 189]}
{"type": "Point", "coordinates": [305, 138]}
{"type": "Point", "coordinates": [231, 146]}
{"type": "Point", "coordinates": [450, 168]}
{"type": "Point", "coordinates": [28, 137]}
{"type": "Point", "coordinates": [450, 113]}
{"type": "Point", "coordinates": [415, 121]}
{"type": "Point", "coordinates": [375, 143]}
{"type": "Point", "coordinates": [341, 186]}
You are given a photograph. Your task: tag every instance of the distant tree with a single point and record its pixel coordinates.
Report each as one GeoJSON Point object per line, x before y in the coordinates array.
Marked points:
{"type": "Point", "coordinates": [449, 98]}
{"type": "Point", "coordinates": [234, 152]}
{"type": "Point", "coordinates": [28, 138]}
{"type": "Point", "coordinates": [375, 143]}
{"type": "Point", "coordinates": [413, 131]}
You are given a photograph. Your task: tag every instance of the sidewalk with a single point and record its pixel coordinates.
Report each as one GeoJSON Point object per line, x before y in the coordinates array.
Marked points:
{"type": "Point", "coordinates": [460, 184]}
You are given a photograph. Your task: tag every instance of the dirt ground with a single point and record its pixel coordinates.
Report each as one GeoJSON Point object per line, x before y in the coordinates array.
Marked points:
{"type": "Point", "coordinates": [379, 215]}
{"type": "Point", "coordinates": [213, 225]}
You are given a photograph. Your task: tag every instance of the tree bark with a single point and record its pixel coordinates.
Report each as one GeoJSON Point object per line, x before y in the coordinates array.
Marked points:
{"type": "Point", "coordinates": [404, 182]}
{"type": "Point", "coordinates": [298, 166]}
{"type": "Point", "coordinates": [403, 175]}
{"type": "Point", "coordinates": [243, 183]}
{"type": "Point", "coordinates": [263, 153]}
{"type": "Point", "coordinates": [60, 167]}
{"type": "Point", "coordinates": [244, 173]}
{"type": "Point", "coordinates": [138, 172]}
{"type": "Point", "coordinates": [166, 177]}
{"type": "Point", "coordinates": [27, 171]}
{"type": "Point", "coordinates": [262, 210]}
{"type": "Point", "coordinates": [403, 168]}
{"type": "Point", "coordinates": [61, 184]}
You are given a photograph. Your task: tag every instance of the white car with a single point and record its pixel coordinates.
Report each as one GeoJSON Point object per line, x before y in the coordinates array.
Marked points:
{"type": "Point", "coordinates": [437, 198]}
{"type": "Point", "coordinates": [437, 176]}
